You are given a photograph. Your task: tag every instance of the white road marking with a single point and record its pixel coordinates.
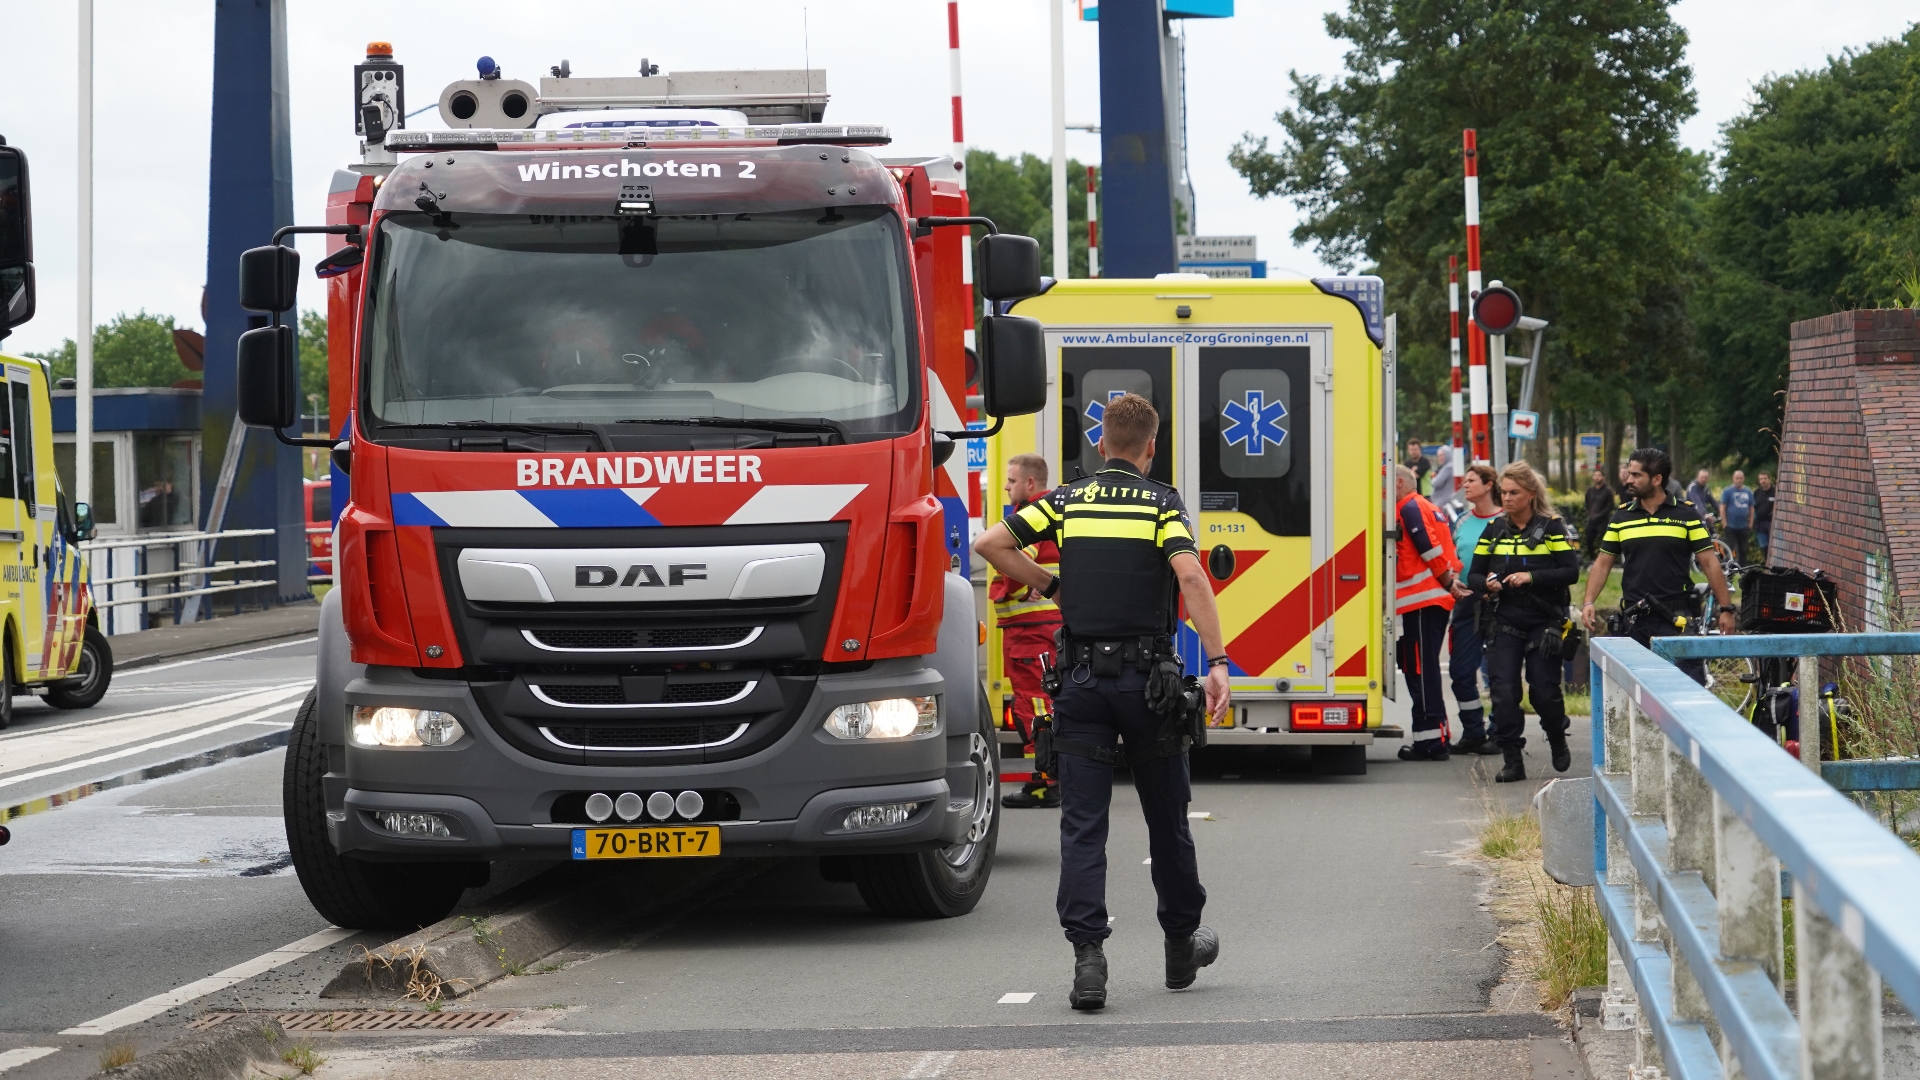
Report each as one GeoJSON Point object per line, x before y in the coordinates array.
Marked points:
{"type": "Point", "coordinates": [29, 733]}
{"type": "Point", "coordinates": [139, 672]}
{"type": "Point", "coordinates": [159, 1003]}
{"type": "Point", "coordinates": [61, 745]}
{"type": "Point", "coordinates": [932, 1064]}
{"type": "Point", "coordinates": [154, 745]}
{"type": "Point", "coordinates": [1203, 815]}
{"type": "Point", "coordinates": [1015, 999]}
{"type": "Point", "coordinates": [1147, 861]}
{"type": "Point", "coordinates": [24, 1054]}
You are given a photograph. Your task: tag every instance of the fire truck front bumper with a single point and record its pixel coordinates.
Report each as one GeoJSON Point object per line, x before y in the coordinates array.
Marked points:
{"type": "Point", "coordinates": [804, 792]}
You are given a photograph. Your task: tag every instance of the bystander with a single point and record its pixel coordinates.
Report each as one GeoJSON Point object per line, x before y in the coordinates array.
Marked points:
{"type": "Point", "coordinates": [1736, 512]}
{"type": "Point", "coordinates": [1417, 461]}
{"type": "Point", "coordinates": [1701, 496]}
{"type": "Point", "coordinates": [1763, 515]}
{"type": "Point", "coordinates": [1444, 478]}
{"type": "Point", "coordinates": [1600, 505]}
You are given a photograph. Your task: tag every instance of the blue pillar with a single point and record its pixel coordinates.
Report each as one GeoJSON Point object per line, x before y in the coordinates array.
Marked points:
{"type": "Point", "coordinates": [249, 195]}
{"type": "Point", "coordinates": [1136, 180]}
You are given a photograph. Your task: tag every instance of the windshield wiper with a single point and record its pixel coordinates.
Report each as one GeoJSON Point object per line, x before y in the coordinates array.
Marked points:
{"type": "Point", "coordinates": [525, 429]}
{"type": "Point", "coordinates": [809, 425]}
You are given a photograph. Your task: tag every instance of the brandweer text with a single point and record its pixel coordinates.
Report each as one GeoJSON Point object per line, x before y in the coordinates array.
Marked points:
{"type": "Point", "coordinates": [614, 471]}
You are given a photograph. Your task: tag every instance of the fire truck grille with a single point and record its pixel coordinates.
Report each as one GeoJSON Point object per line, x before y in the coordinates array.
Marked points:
{"type": "Point", "coordinates": [616, 637]}
{"type": "Point", "coordinates": [611, 737]}
{"type": "Point", "coordinates": [613, 694]}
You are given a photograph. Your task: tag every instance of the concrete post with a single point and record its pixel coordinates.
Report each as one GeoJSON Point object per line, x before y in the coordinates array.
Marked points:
{"type": "Point", "coordinates": [1648, 754]}
{"type": "Point", "coordinates": [1747, 895]}
{"type": "Point", "coordinates": [1690, 839]}
{"type": "Point", "coordinates": [1620, 1011]}
{"type": "Point", "coordinates": [1839, 996]}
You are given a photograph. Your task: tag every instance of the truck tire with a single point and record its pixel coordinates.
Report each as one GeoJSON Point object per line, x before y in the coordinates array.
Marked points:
{"type": "Point", "coordinates": [947, 882]}
{"type": "Point", "coordinates": [348, 892]}
{"type": "Point", "coordinates": [89, 684]}
{"type": "Point", "coordinates": [1339, 761]}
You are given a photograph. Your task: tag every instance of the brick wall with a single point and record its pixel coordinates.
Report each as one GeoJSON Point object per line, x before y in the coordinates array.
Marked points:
{"type": "Point", "coordinates": [1850, 456]}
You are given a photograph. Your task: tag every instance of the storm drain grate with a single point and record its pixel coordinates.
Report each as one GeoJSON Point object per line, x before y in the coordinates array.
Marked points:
{"type": "Point", "coordinates": [371, 1020]}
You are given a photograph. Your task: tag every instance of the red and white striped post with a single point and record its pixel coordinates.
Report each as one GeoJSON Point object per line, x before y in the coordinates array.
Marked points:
{"type": "Point", "coordinates": [1453, 347]}
{"type": "Point", "coordinates": [953, 71]}
{"type": "Point", "coordinates": [1476, 341]}
{"type": "Point", "coordinates": [1093, 224]}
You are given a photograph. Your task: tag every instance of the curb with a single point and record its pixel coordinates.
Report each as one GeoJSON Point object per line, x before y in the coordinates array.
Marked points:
{"type": "Point", "coordinates": [458, 955]}
{"type": "Point", "coordinates": [225, 1053]}
{"type": "Point", "coordinates": [178, 642]}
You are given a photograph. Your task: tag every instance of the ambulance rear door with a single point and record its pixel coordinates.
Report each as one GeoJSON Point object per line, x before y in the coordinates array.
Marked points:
{"type": "Point", "coordinates": [20, 541]}
{"type": "Point", "coordinates": [1254, 469]}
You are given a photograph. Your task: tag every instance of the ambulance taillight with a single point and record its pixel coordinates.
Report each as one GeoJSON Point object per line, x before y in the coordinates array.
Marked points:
{"type": "Point", "coordinates": [1328, 716]}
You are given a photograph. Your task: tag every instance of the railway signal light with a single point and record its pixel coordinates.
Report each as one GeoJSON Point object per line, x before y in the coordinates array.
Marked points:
{"type": "Point", "coordinates": [1496, 310]}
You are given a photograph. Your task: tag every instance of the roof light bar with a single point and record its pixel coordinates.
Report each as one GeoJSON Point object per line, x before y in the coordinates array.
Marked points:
{"type": "Point", "coordinates": [494, 138]}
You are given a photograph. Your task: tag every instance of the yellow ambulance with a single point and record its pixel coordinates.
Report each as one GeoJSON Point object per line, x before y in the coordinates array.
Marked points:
{"type": "Point", "coordinates": [53, 646]}
{"type": "Point", "coordinates": [1276, 405]}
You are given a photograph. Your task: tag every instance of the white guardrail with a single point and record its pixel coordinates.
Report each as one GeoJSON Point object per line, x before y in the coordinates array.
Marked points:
{"type": "Point", "coordinates": [164, 568]}
{"type": "Point", "coordinates": [1699, 814]}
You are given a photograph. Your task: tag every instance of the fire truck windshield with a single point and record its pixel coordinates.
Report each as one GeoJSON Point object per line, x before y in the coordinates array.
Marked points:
{"type": "Point", "coordinates": [482, 319]}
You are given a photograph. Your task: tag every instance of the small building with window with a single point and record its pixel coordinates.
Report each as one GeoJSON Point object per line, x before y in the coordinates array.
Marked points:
{"type": "Point", "coordinates": [146, 457]}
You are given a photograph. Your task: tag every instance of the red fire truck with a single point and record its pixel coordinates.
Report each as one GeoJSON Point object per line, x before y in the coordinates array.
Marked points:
{"type": "Point", "coordinates": [641, 550]}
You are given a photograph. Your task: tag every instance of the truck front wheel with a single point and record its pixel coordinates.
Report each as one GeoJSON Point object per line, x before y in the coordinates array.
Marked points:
{"type": "Point", "coordinates": [948, 882]}
{"type": "Point", "coordinates": [348, 892]}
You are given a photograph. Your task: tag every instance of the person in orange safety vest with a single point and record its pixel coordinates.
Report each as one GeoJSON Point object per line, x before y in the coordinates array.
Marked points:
{"type": "Point", "coordinates": [1027, 623]}
{"type": "Point", "coordinates": [1425, 569]}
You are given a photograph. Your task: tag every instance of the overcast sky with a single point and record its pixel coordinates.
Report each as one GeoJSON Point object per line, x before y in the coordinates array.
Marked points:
{"type": "Point", "coordinates": [886, 63]}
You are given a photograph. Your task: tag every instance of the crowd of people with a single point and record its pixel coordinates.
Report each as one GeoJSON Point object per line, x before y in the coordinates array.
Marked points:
{"type": "Point", "coordinates": [1484, 573]}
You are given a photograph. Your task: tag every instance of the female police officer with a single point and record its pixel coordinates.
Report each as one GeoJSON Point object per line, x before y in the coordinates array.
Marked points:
{"type": "Point", "coordinates": [1127, 555]}
{"type": "Point", "coordinates": [1524, 566]}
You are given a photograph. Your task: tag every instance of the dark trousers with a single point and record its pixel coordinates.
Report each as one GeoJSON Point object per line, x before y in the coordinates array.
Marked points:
{"type": "Point", "coordinates": [1465, 655]}
{"type": "Point", "coordinates": [1738, 539]}
{"type": "Point", "coordinates": [1590, 538]}
{"type": "Point", "coordinates": [1645, 630]}
{"type": "Point", "coordinates": [1423, 632]}
{"type": "Point", "coordinates": [1509, 655]}
{"type": "Point", "coordinates": [1097, 712]}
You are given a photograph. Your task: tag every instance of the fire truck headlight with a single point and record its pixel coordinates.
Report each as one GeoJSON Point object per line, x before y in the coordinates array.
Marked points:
{"type": "Point", "coordinates": [889, 718]}
{"type": "Point", "coordinates": [392, 726]}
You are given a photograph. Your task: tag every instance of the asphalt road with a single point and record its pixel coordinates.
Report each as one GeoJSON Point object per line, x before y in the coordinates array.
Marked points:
{"type": "Point", "coordinates": [1355, 939]}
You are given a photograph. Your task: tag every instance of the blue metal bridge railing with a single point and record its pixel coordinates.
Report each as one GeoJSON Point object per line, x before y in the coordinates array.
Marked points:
{"type": "Point", "coordinates": [1699, 814]}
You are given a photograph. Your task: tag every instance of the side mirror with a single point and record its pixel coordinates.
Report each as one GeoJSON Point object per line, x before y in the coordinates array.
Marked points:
{"type": "Point", "coordinates": [269, 277]}
{"type": "Point", "coordinates": [1013, 370]}
{"type": "Point", "coordinates": [83, 527]}
{"type": "Point", "coordinates": [1007, 267]}
{"type": "Point", "coordinates": [16, 240]}
{"type": "Point", "coordinates": [943, 445]}
{"type": "Point", "coordinates": [266, 379]}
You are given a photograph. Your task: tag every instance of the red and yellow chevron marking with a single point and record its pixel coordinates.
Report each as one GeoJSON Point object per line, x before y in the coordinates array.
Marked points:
{"type": "Point", "coordinates": [1260, 643]}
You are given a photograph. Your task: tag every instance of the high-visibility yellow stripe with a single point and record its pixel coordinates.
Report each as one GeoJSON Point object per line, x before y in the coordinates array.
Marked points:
{"type": "Point", "coordinates": [1076, 509]}
{"type": "Point", "coordinates": [1173, 530]}
{"type": "Point", "coordinates": [1644, 530]}
{"type": "Point", "coordinates": [1033, 517]}
{"type": "Point", "coordinates": [1106, 527]}
{"type": "Point", "coordinates": [1516, 546]}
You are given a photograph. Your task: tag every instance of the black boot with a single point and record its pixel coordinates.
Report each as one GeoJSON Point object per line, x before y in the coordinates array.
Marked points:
{"type": "Point", "coordinates": [1562, 757]}
{"type": "Point", "coordinates": [1187, 955]}
{"type": "Point", "coordinates": [1516, 769]}
{"type": "Point", "coordinates": [1089, 977]}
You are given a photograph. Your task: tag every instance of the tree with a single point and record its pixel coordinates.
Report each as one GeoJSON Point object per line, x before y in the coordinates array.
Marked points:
{"type": "Point", "coordinates": [1576, 103]}
{"type": "Point", "coordinates": [131, 350]}
{"type": "Point", "coordinates": [313, 361]}
{"type": "Point", "coordinates": [1817, 210]}
{"type": "Point", "coordinates": [1018, 195]}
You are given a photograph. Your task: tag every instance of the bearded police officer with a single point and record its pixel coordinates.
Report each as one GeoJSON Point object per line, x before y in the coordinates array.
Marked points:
{"type": "Point", "coordinates": [1659, 538]}
{"type": "Point", "coordinates": [1127, 556]}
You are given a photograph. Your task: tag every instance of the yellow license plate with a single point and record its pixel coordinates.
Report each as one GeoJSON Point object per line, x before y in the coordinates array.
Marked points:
{"type": "Point", "coordinates": [668, 842]}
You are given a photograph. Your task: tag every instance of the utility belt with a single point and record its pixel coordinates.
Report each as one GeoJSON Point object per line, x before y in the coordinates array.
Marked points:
{"type": "Point", "coordinates": [1561, 641]}
{"type": "Point", "coordinates": [1177, 697]}
{"type": "Point", "coordinates": [1647, 618]}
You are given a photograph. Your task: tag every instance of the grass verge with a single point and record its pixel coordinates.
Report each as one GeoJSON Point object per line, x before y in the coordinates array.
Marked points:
{"type": "Point", "coordinates": [304, 1057]}
{"type": "Point", "coordinates": [1554, 934]}
{"type": "Point", "coordinates": [117, 1053]}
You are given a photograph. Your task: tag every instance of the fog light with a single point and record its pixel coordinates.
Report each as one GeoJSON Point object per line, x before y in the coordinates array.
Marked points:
{"type": "Point", "coordinates": [879, 817]}
{"type": "Point", "coordinates": [391, 726]}
{"type": "Point", "coordinates": [409, 823]}
{"type": "Point", "coordinates": [660, 805]}
{"type": "Point", "coordinates": [628, 806]}
{"type": "Point", "coordinates": [690, 804]}
{"type": "Point", "coordinates": [599, 807]}
{"type": "Point", "coordinates": [889, 718]}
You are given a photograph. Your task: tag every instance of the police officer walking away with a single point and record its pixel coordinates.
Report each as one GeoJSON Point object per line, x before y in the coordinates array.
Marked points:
{"type": "Point", "coordinates": [1523, 566]}
{"type": "Point", "coordinates": [1127, 556]}
{"type": "Point", "coordinates": [1659, 538]}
